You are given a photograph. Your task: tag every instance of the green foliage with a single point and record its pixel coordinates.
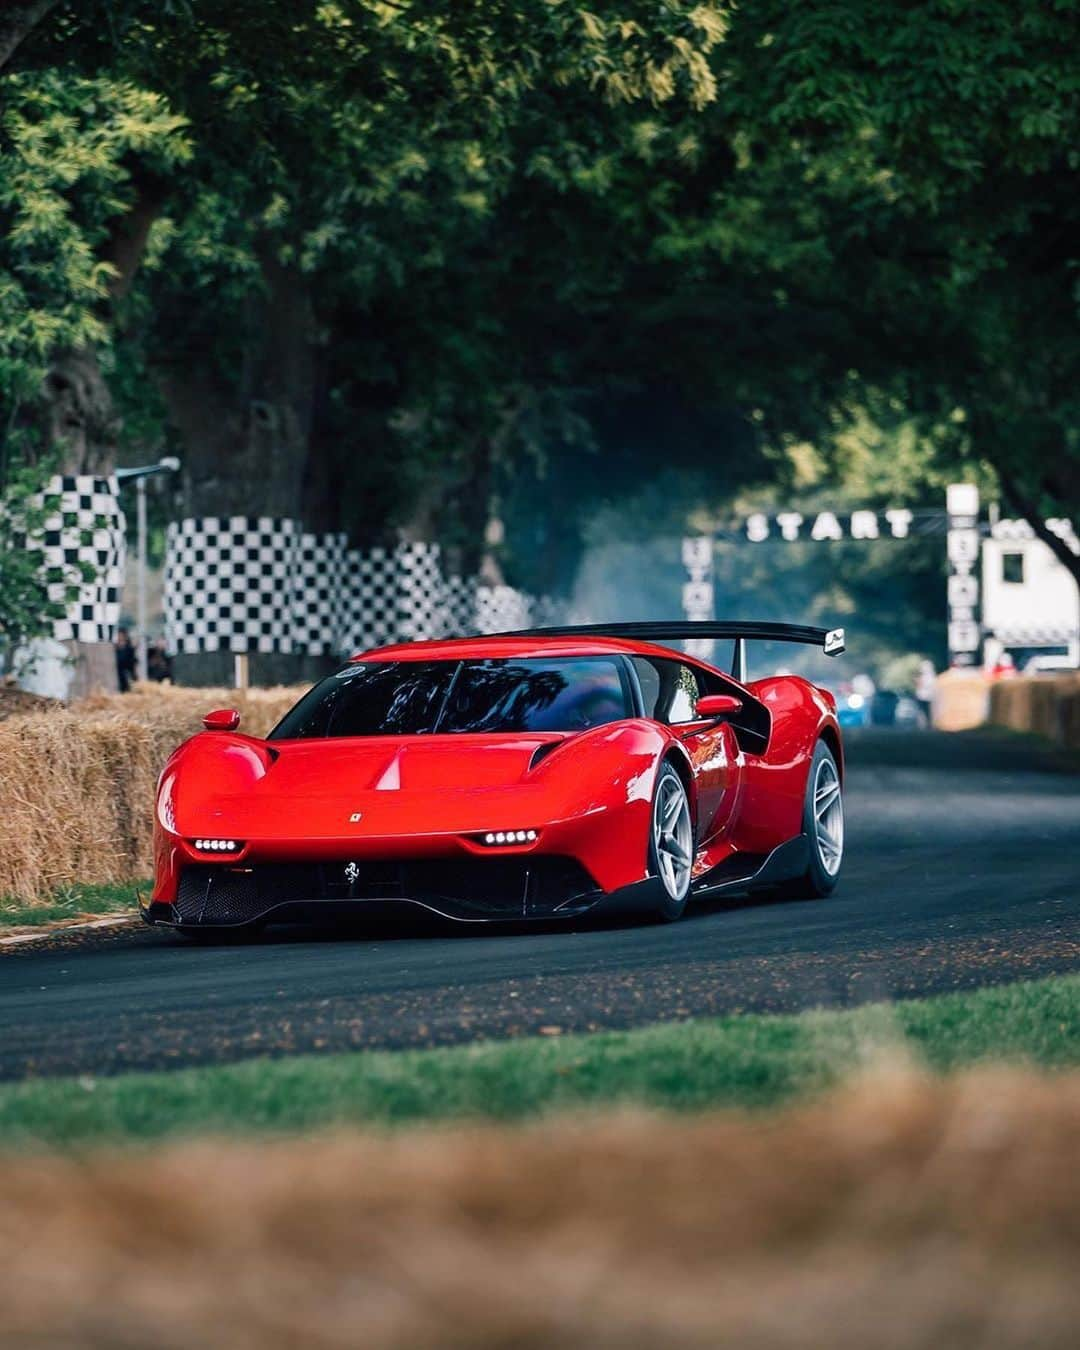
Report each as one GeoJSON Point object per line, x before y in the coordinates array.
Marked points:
{"type": "Point", "coordinates": [67, 145]}
{"type": "Point", "coordinates": [499, 232]}
{"type": "Point", "coordinates": [32, 596]}
{"type": "Point", "coordinates": [925, 158]}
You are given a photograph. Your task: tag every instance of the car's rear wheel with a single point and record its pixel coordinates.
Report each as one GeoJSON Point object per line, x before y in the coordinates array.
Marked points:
{"type": "Point", "coordinates": [671, 844]}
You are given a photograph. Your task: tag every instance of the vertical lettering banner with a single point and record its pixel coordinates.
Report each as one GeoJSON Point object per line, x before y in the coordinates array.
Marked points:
{"type": "Point", "coordinates": [965, 638]}
{"type": "Point", "coordinates": [698, 592]}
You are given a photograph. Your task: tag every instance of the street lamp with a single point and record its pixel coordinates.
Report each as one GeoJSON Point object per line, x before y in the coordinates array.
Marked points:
{"type": "Point", "coordinates": [167, 464]}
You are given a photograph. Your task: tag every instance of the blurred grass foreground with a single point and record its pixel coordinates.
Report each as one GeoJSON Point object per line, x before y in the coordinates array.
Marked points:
{"type": "Point", "coordinates": [902, 1210]}
{"type": "Point", "coordinates": [738, 1061]}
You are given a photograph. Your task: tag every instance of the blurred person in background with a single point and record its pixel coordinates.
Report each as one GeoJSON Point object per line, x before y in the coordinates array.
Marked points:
{"type": "Point", "coordinates": [925, 682]}
{"type": "Point", "coordinates": [125, 660]}
{"type": "Point", "coordinates": [159, 663]}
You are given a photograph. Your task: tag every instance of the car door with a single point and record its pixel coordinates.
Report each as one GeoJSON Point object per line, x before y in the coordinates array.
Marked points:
{"type": "Point", "coordinates": [670, 690]}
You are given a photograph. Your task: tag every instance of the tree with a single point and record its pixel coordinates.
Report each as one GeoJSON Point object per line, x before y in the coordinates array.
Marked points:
{"type": "Point", "coordinates": [75, 156]}
{"type": "Point", "coordinates": [424, 263]}
{"type": "Point", "coordinates": [17, 22]}
{"type": "Point", "coordinates": [912, 171]}
{"type": "Point", "coordinates": [350, 160]}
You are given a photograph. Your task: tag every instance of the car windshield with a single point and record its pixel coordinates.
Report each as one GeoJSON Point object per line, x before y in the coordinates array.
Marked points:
{"type": "Point", "coordinates": [412, 698]}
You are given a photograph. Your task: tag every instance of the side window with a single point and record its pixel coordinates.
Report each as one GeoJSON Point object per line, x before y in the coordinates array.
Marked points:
{"type": "Point", "coordinates": [649, 680]}
{"type": "Point", "coordinates": [683, 697]}
{"type": "Point", "coordinates": [669, 690]}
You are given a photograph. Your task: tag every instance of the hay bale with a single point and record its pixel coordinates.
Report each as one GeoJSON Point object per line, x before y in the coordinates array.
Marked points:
{"type": "Point", "coordinates": [18, 702]}
{"type": "Point", "coordinates": [903, 1213]}
{"type": "Point", "coordinates": [1011, 704]}
{"type": "Point", "coordinates": [1070, 717]}
{"type": "Point", "coordinates": [960, 700]}
{"type": "Point", "coordinates": [77, 786]}
{"type": "Point", "coordinates": [260, 709]}
{"type": "Point", "coordinates": [1045, 705]}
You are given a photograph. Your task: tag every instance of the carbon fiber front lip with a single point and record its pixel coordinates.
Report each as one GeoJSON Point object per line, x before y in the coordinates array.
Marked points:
{"type": "Point", "coordinates": [785, 861]}
{"type": "Point", "coordinates": [160, 914]}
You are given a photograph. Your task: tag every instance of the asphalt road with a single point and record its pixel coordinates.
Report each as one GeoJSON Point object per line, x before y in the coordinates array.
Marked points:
{"type": "Point", "coordinates": [963, 869]}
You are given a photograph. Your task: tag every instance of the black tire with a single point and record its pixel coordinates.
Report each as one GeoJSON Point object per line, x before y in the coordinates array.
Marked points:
{"type": "Point", "coordinates": [822, 872]}
{"type": "Point", "coordinates": [669, 905]}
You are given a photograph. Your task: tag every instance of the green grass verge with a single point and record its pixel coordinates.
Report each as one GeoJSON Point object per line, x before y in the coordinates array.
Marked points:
{"type": "Point", "coordinates": [69, 902]}
{"type": "Point", "coordinates": [743, 1061]}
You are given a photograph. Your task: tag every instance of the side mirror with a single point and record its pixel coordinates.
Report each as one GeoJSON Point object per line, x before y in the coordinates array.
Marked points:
{"type": "Point", "coordinates": [222, 719]}
{"type": "Point", "coordinates": [717, 705]}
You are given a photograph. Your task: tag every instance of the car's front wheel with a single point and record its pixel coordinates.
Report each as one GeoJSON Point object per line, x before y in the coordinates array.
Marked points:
{"type": "Point", "coordinates": [823, 826]}
{"type": "Point", "coordinates": [671, 844]}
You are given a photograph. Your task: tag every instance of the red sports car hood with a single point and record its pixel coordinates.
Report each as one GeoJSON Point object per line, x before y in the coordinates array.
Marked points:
{"type": "Point", "coordinates": [396, 764]}
{"type": "Point", "coordinates": [393, 785]}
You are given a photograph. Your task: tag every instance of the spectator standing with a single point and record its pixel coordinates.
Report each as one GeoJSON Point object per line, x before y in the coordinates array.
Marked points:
{"type": "Point", "coordinates": [125, 660]}
{"type": "Point", "coordinates": [158, 663]}
{"type": "Point", "coordinates": [925, 683]}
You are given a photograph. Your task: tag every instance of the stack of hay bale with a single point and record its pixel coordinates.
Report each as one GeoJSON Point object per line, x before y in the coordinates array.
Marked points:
{"type": "Point", "coordinates": [77, 784]}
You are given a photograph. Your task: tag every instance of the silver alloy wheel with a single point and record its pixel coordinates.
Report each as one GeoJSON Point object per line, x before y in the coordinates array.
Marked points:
{"type": "Point", "coordinates": [673, 836]}
{"type": "Point", "coordinates": [828, 816]}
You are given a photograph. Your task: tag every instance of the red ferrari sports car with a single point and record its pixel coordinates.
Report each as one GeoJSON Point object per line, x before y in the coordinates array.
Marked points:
{"type": "Point", "coordinates": [528, 775]}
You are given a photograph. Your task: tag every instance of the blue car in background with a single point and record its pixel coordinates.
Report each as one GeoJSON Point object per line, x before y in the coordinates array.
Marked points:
{"type": "Point", "coordinates": [882, 708]}
{"type": "Point", "coordinates": [853, 710]}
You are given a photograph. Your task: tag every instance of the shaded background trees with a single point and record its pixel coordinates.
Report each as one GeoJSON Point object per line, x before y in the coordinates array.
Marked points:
{"type": "Point", "coordinates": [402, 268]}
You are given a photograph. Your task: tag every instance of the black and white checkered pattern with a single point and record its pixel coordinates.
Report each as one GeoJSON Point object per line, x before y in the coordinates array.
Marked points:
{"type": "Point", "coordinates": [371, 615]}
{"type": "Point", "coordinates": [318, 590]}
{"type": "Point", "coordinates": [1020, 530]}
{"type": "Point", "coordinates": [84, 527]}
{"type": "Point", "coordinates": [422, 592]}
{"type": "Point", "coordinates": [229, 583]}
{"type": "Point", "coordinates": [256, 584]}
{"type": "Point", "coordinates": [1044, 635]}
{"type": "Point", "coordinates": [460, 606]}
{"type": "Point", "coordinates": [500, 609]}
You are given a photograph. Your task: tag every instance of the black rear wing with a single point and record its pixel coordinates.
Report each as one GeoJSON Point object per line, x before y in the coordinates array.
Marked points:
{"type": "Point", "coordinates": [830, 640]}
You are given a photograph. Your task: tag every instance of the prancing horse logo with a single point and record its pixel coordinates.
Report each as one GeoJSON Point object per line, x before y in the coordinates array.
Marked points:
{"type": "Point", "coordinates": [352, 872]}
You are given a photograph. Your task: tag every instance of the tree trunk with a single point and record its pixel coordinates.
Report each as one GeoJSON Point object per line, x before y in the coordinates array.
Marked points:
{"type": "Point", "coordinates": [245, 437]}
{"type": "Point", "coordinates": [76, 413]}
{"type": "Point", "coordinates": [1052, 472]}
{"type": "Point", "coordinates": [17, 22]}
{"type": "Point", "coordinates": [245, 445]}
{"type": "Point", "coordinates": [93, 668]}
{"type": "Point", "coordinates": [78, 416]}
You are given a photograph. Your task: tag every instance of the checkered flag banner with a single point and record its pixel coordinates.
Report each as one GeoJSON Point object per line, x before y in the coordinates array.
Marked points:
{"type": "Point", "coordinates": [83, 531]}
{"type": "Point", "coordinates": [1034, 635]}
{"type": "Point", "coordinates": [501, 609]}
{"type": "Point", "coordinates": [317, 592]}
{"type": "Point", "coordinates": [229, 584]}
{"type": "Point", "coordinates": [371, 604]}
{"type": "Point", "coordinates": [260, 584]}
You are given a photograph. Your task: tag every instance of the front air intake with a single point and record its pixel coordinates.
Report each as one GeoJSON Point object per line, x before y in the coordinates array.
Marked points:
{"type": "Point", "coordinates": [497, 886]}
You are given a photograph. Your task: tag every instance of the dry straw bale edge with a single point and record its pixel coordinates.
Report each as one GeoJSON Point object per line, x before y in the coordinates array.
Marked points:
{"type": "Point", "coordinates": [77, 785]}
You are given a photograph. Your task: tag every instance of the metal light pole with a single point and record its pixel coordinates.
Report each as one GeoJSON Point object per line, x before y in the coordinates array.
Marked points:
{"type": "Point", "coordinates": [169, 464]}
